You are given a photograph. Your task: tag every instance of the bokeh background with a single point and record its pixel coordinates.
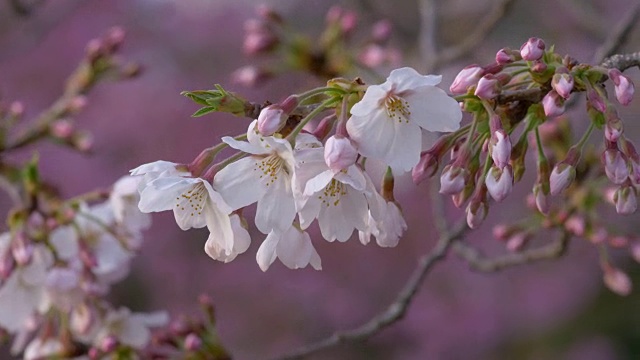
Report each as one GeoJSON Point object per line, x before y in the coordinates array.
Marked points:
{"type": "Point", "coordinates": [548, 310]}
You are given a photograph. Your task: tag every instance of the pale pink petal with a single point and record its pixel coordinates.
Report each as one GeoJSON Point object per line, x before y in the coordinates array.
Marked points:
{"type": "Point", "coordinates": [432, 109]}
{"type": "Point", "coordinates": [240, 183]}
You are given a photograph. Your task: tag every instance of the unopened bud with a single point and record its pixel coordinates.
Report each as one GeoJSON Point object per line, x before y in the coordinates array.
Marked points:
{"type": "Point", "coordinates": [506, 56]}
{"type": "Point", "coordinates": [561, 177]}
{"type": "Point", "coordinates": [94, 50]}
{"type": "Point", "coordinates": [617, 280]}
{"type": "Point", "coordinates": [500, 148]}
{"type": "Point", "coordinates": [259, 42]}
{"type": "Point", "coordinates": [533, 49]}
{"type": "Point", "coordinates": [615, 165]}
{"type": "Point", "coordinates": [16, 109]}
{"type": "Point", "coordinates": [62, 129]}
{"type": "Point", "coordinates": [334, 14]}
{"type": "Point", "coordinates": [77, 104]}
{"type": "Point", "coordinates": [499, 182]}
{"type": "Point", "coordinates": [553, 104]}
{"type": "Point", "coordinates": [613, 129]}
{"type": "Point", "coordinates": [114, 39]}
{"type": "Point", "coordinates": [626, 200]}
{"type": "Point", "coordinates": [517, 241]}
{"type": "Point", "coordinates": [595, 99]}
{"type": "Point", "coordinates": [467, 77]}
{"type": "Point", "coordinates": [476, 213]}
{"type": "Point", "coordinates": [562, 83]}
{"type": "Point", "coordinates": [348, 22]}
{"type": "Point", "coordinates": [623, 86]}
{"type": "Point", "coordinates": [192, 342]}
{"type": "Point", "coordinates": [618, 241]}
{"type": "Point", "coordinates": [339, 153]}
{"type": "Point", "coordinates": [373, 55]}
{"type": "Point", "coordinates": [460, 198]}
{"type": "Point", "coordinates": [488, 87]}
{"type": "Point", "coordinates": [635, 251]}
{"type": "Point", "coordinates": [381, 31]}
{"type": "Point", "coordinates": [271, 119]}
{"type": "Point", "coordinates": [83, 141]}
{"type": "Point", "coordinates": [453, 179]}
{"type": "Point", "coordinates": [250, 76]}
{"type": "Point", "coordinates": [426, 167]}
{"type": "Point", "coordinates": [541, 199]}
{"type": "Point", "coordinates": [575, 224]}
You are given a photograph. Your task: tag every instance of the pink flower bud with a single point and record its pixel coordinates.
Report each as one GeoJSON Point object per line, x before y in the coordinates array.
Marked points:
{"type": "Point", "coordinates": [453, 179]}
{"type": "Point", "coordinates": [500, 148]}
{"type": "Point", "coordinates": [250, 76]}
{"type": "Point", "coordinates": [501, 232]}
{"type": "Point", "coordinates": [192, 342]}
{"type": "Point", "coordinates": [109, 344]}
{"type": "Point", "coordinates": [339, 153]}
{"type": "Point", "coordinates": [476, 213]}
{"type": "Point", "coordinates": [598, 236]}
{"type": "Point", "coordinates": [381, 31]}
{"type": "Point", "coordinates": [62, 129]}
{"type": "Point", "coordinates": [426, 167]}
{"type": "Point", "coordinates": [373, 55]}
{"type": "Point", "coordinates": [562, 83]}
{"type": "Point", "coordinates": [613, 129]}
{"type": "Point", "coordinates": [348, 22]}
{"type": "Point", "coordinates": [623, 86]}
{"type": "Point", "coordinates": [618, 241]}
{"type": "Point", "coordinates": [488, 87]}
{"type": "Point", "coordinates": [83, 141]}
{"type": "Point", "coordinates": [538, 67]}
{"type": "Point", "coordinates": [575, 224]}
{"type": "Point", "coordinates": [114, 38]}
{"type": "Point", "coordinates": [271, 119]}
{"type": "Point", "coordinates": [506, 56]}
{"type": "Point", "coordinates": [334, 14]}
{"type": "Point", "coordinates": [541, 199]}
{"type": "Point", "coordinates": [615, 165]}
{"type": "Point", "coordinates": [561, 177]}
{"type": "Point", "coordinates": [499, 182]}
{"type": "Point", "coordinates": [16, 109]}
{"type": "Point", "coordinates": [617, 280]}
{"type": "Point", "coordinates": [466, 78]}
{"type": "Point", "coordinates": [595, 99]}
{"type": "Point", "coordinates": [626, 200]}
{"type": "Point", "coordinates": [517, 241]}
{"type": "Point", "coordinates": [553, 104]}
{"type": "Point", "coordinates": [533, 49]}
{"type": "Point", "coordinates": [259, 42]}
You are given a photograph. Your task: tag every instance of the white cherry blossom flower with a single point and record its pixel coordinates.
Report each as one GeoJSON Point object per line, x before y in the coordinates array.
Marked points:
{"type": "Point", "coordinates": [124, 200]}
{"type": "Point", "coordinates": [240, 243]}
{"type": "Point", "coordinates": [336, 198]}
{"type": "Point", "coordinates": [263, 177]}
{"type": "Point", "coordinates": [129, 328]}
{"type": "Point", "coordinates": [151, 171]}
{"type": "Point", "coordinates": [385, 221]}
{"type": "Point", "coordinates": [44, 349]}
{"type": "Point", "coordinates": [386, 123]}
{"type": "Point", "coordinates": [293, 247]}
{"type": "Point", "coordinates": [23, 293]}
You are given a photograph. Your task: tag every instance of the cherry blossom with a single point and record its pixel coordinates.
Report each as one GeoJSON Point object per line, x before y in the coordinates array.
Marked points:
{"type": "Point", "coordinates": [386, 123]}
{"type": "Point", "coordinates": [263, 177]}
{"type": "Point", "coordinates": [293, 247]}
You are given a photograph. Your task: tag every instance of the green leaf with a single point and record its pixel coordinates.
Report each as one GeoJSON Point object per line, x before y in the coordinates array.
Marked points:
{"type": "Point", "coordinates": [205, 110]}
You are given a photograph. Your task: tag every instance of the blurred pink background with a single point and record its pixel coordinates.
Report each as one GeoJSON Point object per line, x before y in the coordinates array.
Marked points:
{"type": "Point", "coordinates": [549, 310]}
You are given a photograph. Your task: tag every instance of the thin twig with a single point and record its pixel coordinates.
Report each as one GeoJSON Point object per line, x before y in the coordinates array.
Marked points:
{"type": "Point", "coordinates": [479, 262]}
{"type": "Point", "coordinates": [393, 312]}
{"type": "Point", "coordinates": [475, 38]}
{"type": "Point", "coordinates": [428, 34]}
{"type": "Point", "coordinates": [618, 36]}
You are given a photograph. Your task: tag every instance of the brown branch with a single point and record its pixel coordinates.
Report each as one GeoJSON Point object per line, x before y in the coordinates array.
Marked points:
{"type": "Point", "coordinates": [397, 309]}
{"type": "Point", "coordinates": [475, 38]}
{"type": "Point", "coordinates": [622, 62]}
{"type": "Point", "coordinates": [479, 262]}
{"type": "Point", "coordinates": [618, 36]}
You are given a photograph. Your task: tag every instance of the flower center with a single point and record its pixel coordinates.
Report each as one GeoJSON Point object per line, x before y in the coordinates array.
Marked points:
{"type": "Point", "coordinates": [192, 200]}
{"type": "Point", "coordinates": [332, 193]}
{"type": "Point", "coordinates": [397, 108]}
{"type": "Point", "coordinates": [270, 167]}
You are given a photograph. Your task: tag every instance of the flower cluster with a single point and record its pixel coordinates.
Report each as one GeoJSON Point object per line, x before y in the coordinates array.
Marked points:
{"type": "Point", "coordinates": [297, 177]}
{"type": "Point", "coordinates": [56, 269]}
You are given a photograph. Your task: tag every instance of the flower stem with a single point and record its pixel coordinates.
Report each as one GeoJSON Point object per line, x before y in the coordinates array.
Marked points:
{"type": "Point", "coordinates": [585, 137]}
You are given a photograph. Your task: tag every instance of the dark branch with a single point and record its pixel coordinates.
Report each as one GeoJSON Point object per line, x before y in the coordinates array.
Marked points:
{"type": "Point", "coordinates": [479, 262]}
{"type": "Point", "coordinates": [397, 309]}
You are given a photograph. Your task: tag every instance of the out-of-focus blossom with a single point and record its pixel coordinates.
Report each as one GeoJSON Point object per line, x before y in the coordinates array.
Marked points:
{"type": "Point", "coordinates": [617, 280]}
{"type": "Point", "coordinates": [129, 328]}
{"type": "Point", "coordinates": [386, 123]}
{"type": "Point", "coordinates": [47, 348]}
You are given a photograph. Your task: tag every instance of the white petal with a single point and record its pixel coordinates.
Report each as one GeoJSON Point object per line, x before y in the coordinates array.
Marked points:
{"type": "Point", "coordinates": [276, 210]}
{"type": "Point", "coordinates": [371, 101]}
{"type": "Point", "coordinates": [157, 166]}
{"type": "Point", "coordinates": [354, 177]}
{"type": "Point", "coordinates": [373, 134]}
{"type": "Point", "coordinates": [219, 226]}
{"type": "Point", "coordinates": [432, 109]}
{"type": "Point", "coordinates": [64, 240]}
{"type": "Point", "coordinates": [266, 254]}
{"type": "Point", "coordinates": [404, 152]}
{"type": "Point", "coordinates": [244, 146]}
{"type": "Point", "coordinates": [318, 183]}
{"type": "Point", "coordinates": [407, 79]}
{"type": "Point", "coordinates": [295, 249]}
{"type": "Point", "coordinates": [239, 183]}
